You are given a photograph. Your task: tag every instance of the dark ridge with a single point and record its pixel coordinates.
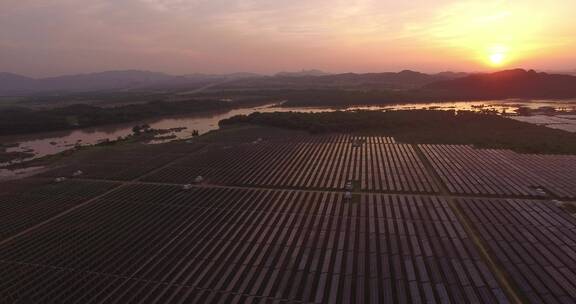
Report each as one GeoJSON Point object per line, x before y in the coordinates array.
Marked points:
{"type": "Point", "coordinates": [508, 84]}
{"type": "Point", "coordinates": [23, 120]}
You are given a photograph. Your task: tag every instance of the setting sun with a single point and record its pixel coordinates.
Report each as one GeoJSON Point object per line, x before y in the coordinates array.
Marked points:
{"type": "Point", "coordinates": [498, 55]}
{"type": "Point", "coordinates": [495, 33]}
{"type": "Point", "coordinates": [497, 59]}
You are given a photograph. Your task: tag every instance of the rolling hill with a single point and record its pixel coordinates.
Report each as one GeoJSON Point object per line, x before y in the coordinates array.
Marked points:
{"type": "Point", "coordinates": [507, 84]}
{"type": "Point", "coordinates": [12, 84]}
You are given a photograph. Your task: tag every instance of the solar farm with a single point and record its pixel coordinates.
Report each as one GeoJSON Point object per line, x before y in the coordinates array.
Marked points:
{"type": "Point", "coordinates": [294, 219]}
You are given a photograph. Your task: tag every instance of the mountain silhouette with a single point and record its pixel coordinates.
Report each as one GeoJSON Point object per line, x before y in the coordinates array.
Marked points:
{"type": "Point", "coordinates": [516, 83]}
{"type": "Point", "coordinates": [104, 81]}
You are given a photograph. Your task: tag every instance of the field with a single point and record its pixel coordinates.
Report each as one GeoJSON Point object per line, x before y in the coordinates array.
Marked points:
{"type": "Point", "coordinates": [271, 223]}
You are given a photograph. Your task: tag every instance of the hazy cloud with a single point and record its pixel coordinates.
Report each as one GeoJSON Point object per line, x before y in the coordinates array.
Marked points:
{"type": "Point", "coordinates": [62, 36]}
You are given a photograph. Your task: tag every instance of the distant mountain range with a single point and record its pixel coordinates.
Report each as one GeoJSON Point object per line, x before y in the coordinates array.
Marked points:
{"type": "Point", "coordinates": [319, 80]}
{"type": "Point", "coordinates": [508, 84]}
{"type": "Point", "coordinates": [447, 85]}
{"type": "Point", "coordinates": [12, 84]}
{"type": "Point", "coordinates": [562, 72]}
{"type": "Point", "coordinates": [111, 80]}
{"type": "Point", "coordinates": [302, 73]}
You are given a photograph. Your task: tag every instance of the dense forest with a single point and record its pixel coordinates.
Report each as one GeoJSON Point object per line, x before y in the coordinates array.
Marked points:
{"type": "Point", "coordinates": [346, 98]}
{"type": "Point", "coordinates": [23, 120]}
{"type": "Point", "coordinates": [423, 126]}
{"type": "Point", "coordinates": [338, 98]}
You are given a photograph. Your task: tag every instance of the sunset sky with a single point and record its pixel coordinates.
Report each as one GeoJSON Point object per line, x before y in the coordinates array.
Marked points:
{"type": "Point", "coordinates": [53, 37]}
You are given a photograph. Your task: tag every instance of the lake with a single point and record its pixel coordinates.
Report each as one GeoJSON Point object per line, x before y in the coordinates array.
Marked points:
{"type": "Point", "coordinates": [44, 144]}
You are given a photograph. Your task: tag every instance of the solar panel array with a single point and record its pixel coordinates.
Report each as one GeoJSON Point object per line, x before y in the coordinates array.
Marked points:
{"type": "Point", "coordinates": [534, 241]}
{"type": "Point", "coordinates": [321, 164]}
{"type": "Point", "coordinates": [20, 211]}
{"type": "Point", "coordinates": [272, 224]}
{"type": "Point", "coordinates": [123, 164]}
{"type": "Point", "coordinates": [466, 170]}
{"type": "Point", "coordinates": [158, 244]}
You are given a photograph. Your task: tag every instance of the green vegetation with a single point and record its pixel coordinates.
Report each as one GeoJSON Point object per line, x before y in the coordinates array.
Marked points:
{"type": "Point", "coordinates": [342, 98]}
{"type": "Point", "coordinates": [23, 120]}
{"type": "Point", "coordinates": [7, 102]}
{"type": "Point", "coordinates": [92, 98]}
{"type": "Point", "coordinates": [570, 208]}
{"type": "Point", "coordinates": [425, 126]}
{"type": "Point", "coordinates": [345, 98]}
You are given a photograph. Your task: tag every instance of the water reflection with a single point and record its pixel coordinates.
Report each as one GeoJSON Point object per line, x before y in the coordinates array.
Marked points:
{"type": "Point", "coordinates": [55, 142]}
